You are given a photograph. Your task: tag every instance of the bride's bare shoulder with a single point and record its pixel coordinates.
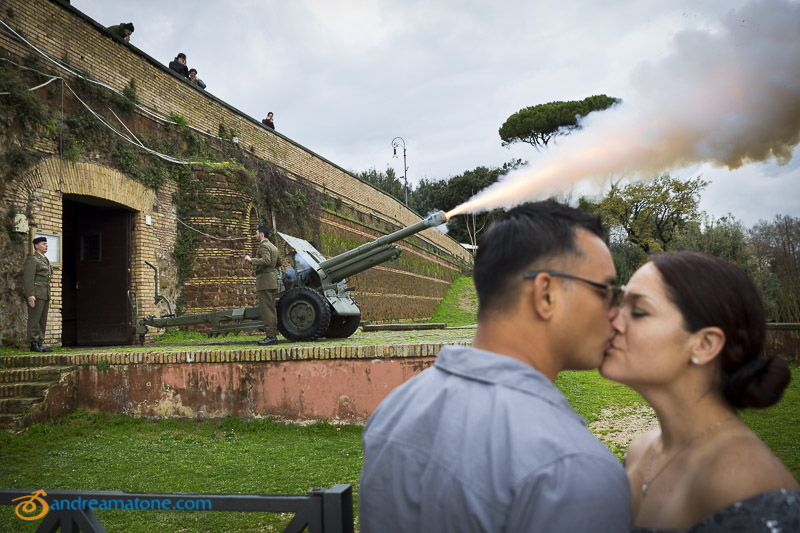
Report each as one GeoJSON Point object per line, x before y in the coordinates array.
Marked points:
{"type": "Point", "coordinates": [739, 467]}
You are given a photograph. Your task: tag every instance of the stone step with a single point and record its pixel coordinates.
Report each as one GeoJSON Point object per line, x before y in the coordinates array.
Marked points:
{"type": "Point", "coordinates": [8, 421]}
{"type": "Point", "coordinates": [43, 373]}
{"type": "Point", "coordinates": [17, 406]}
{"type": "Point", "coordinates": [25, 389]}
{"type": "Point", "coordinates": [32, 360]}
{"type": "Point", "coordinates": [404, 327]}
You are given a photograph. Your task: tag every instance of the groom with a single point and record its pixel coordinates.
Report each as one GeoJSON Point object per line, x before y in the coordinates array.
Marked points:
{"type": "Point", "coordinates": [483, 440]}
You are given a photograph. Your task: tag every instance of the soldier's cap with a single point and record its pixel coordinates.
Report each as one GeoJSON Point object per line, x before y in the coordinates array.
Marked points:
{"type": "Point", "coordinates": [37, 240]}
{"type": "Point", "coordinates": [265, 230]}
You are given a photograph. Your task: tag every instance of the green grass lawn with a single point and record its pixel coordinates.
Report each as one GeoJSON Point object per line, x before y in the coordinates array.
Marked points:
{"type": "Point", "coordinates": [589, 393]}
{"type": "Point", "coordinates": [97, 452]}
{"type": "Point", "coordinates": [778, 426]}
{"type": "Point", "coordinates": [460, 305]}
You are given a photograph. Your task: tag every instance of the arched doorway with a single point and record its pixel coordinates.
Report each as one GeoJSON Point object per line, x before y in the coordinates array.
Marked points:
{"type": "Point", "coordinates": [110, 226]}
{"type": "Point", "coordinates": [96, 272]}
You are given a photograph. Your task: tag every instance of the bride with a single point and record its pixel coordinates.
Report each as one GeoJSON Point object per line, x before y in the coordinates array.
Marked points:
{"type": "Point", "coordinates": [688, 338]}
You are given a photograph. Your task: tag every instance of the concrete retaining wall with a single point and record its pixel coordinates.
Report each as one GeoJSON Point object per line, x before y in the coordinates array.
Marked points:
{"type": "Point", "coordinates": [341, 383]}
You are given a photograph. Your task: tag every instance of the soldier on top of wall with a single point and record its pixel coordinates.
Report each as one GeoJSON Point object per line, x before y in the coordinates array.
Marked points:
{"type": "Point", "coordinates": [36, 273]}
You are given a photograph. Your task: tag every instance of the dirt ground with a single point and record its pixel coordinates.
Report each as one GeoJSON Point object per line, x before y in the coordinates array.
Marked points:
{"type": "Point", "coordinates": [620, 426]}
{"type": "Point", "coordinates": [468, 303]}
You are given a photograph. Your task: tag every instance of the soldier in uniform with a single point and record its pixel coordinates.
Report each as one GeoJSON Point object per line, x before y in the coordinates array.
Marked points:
{"type": "Point", "coordinates": [265, 261]}
{"type": "Point", "coordinates": [36, 273]}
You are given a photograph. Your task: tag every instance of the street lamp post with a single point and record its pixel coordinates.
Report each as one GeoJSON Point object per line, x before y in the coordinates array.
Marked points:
{"type": "Point", "coordinates": [395, 144]}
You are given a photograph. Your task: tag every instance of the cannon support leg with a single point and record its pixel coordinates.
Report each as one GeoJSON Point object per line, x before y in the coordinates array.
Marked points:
{"type": "Point", "coordinates": [342, 327]}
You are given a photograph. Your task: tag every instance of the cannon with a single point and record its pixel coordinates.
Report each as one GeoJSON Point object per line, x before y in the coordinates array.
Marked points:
{"type": "Point", "coordinates": [314, 299]}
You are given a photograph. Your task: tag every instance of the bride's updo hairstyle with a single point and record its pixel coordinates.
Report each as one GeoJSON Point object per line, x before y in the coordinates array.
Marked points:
{"type": "Point", "coordinates": [711, 292]}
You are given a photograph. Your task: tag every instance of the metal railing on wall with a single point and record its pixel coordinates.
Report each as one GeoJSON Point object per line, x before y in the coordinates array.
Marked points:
{"type": "Point", "coordinates": [319, 511]}
{"type": "Point", "coordinates": [783, 340]}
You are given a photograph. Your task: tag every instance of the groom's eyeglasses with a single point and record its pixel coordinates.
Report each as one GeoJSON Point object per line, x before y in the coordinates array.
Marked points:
{"type": "Point", "coordinates": [614, 293]}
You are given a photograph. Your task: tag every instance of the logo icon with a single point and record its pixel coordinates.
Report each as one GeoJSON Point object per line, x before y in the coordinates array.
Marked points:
{"type": "Point", "coordinates": [30, 503]}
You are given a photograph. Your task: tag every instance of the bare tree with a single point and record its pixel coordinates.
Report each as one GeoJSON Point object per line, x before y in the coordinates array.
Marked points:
{"type": "Point", "coordinates": [777, 245]}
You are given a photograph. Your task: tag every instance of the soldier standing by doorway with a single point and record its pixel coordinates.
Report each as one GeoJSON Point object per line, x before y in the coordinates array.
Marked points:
{"type": "Point", "coordinates": [265, 261]}
{"type": "Point", "coordinates": [36, 273]}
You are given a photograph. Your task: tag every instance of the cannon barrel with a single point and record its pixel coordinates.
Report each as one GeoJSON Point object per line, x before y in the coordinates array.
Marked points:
{"type": "Point", "coordinates": [365, 261]}
{"type": "Point", "coordinates": [436, 219]}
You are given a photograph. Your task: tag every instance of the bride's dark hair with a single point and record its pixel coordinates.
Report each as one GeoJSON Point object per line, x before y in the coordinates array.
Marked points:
{"type": "Point", "coordinates": [710, 291]}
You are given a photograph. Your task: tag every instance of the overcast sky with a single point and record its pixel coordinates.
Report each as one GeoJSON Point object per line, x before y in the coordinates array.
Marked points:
{"type": "Point", "coordinates": [344, 77]}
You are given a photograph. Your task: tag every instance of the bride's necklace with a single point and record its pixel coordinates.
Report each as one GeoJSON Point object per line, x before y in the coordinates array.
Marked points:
{"type": "Point", "coordinates": [691, 441]}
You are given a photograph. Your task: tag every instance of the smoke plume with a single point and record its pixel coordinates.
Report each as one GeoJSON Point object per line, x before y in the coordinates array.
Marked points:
{"type": "Point", "coordinates": [728, 98]}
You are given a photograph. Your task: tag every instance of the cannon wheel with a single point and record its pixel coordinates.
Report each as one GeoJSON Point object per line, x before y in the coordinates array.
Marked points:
{"type": "Point", "coordinates": [303, 314]}
{"type": "Point", "coordinates": [343, 326]}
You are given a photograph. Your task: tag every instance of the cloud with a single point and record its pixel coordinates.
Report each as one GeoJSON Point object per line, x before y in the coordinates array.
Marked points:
{"type": "Point", "coordinates": [729, 97]}
{"type": "Point", "coordinates": [444, 75]}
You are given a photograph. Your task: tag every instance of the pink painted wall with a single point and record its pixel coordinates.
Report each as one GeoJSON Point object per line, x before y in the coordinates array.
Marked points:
{"type": "Point", "coordinates": [347, 390]}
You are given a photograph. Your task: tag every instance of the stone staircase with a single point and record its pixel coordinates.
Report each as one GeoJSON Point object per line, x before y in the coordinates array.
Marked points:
{"type": "Point", "coordinates": [23, 386]}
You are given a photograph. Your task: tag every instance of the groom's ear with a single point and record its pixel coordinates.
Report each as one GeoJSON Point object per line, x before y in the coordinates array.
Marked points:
{"type": "Point", "coordinates": [540, 295]}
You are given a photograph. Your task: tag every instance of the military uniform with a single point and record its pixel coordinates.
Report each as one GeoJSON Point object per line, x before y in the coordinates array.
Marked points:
{"type": "Point", "coordinates": [265, 261]}
{"type": "Point", "coordinates": [36, 273]}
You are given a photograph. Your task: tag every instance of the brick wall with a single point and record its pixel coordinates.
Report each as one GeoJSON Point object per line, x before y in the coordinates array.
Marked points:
{"type": "Point", "coordinates": [47, 184]}
{"type": "Point", "coordinates": [409, 288]}
{"type": "Point", "coordinates": [63, 31]}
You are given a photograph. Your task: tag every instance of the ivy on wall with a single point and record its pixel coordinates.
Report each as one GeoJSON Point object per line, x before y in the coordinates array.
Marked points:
{"type": "Point", "coordinates": [294, 201]}
{"type": "Point", "coordinates": [21, 114]}
{"type": "Point", "coordinates": [52, 120]}
{"type": "Point", "coordinates": [34, 122]}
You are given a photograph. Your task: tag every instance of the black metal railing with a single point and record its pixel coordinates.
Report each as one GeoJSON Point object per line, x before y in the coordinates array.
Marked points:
{"type": "Point", "coordinates": [320, 511]}
{"type": "Point", "coordinates": [783, 340]}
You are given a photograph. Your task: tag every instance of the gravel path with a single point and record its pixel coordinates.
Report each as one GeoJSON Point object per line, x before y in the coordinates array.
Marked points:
{"type": "Point", "coordinates": [620, 426]}
{"type": "Point", "coordinates": [232, 342]}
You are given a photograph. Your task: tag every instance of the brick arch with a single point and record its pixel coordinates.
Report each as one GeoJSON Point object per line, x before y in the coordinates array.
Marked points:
{"type": "Point", "coordinates": [86, 179]}
{"type": "Point", "coordinates": [251, 222]}
{"type": "Point", "coordinates": [40, 195]}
